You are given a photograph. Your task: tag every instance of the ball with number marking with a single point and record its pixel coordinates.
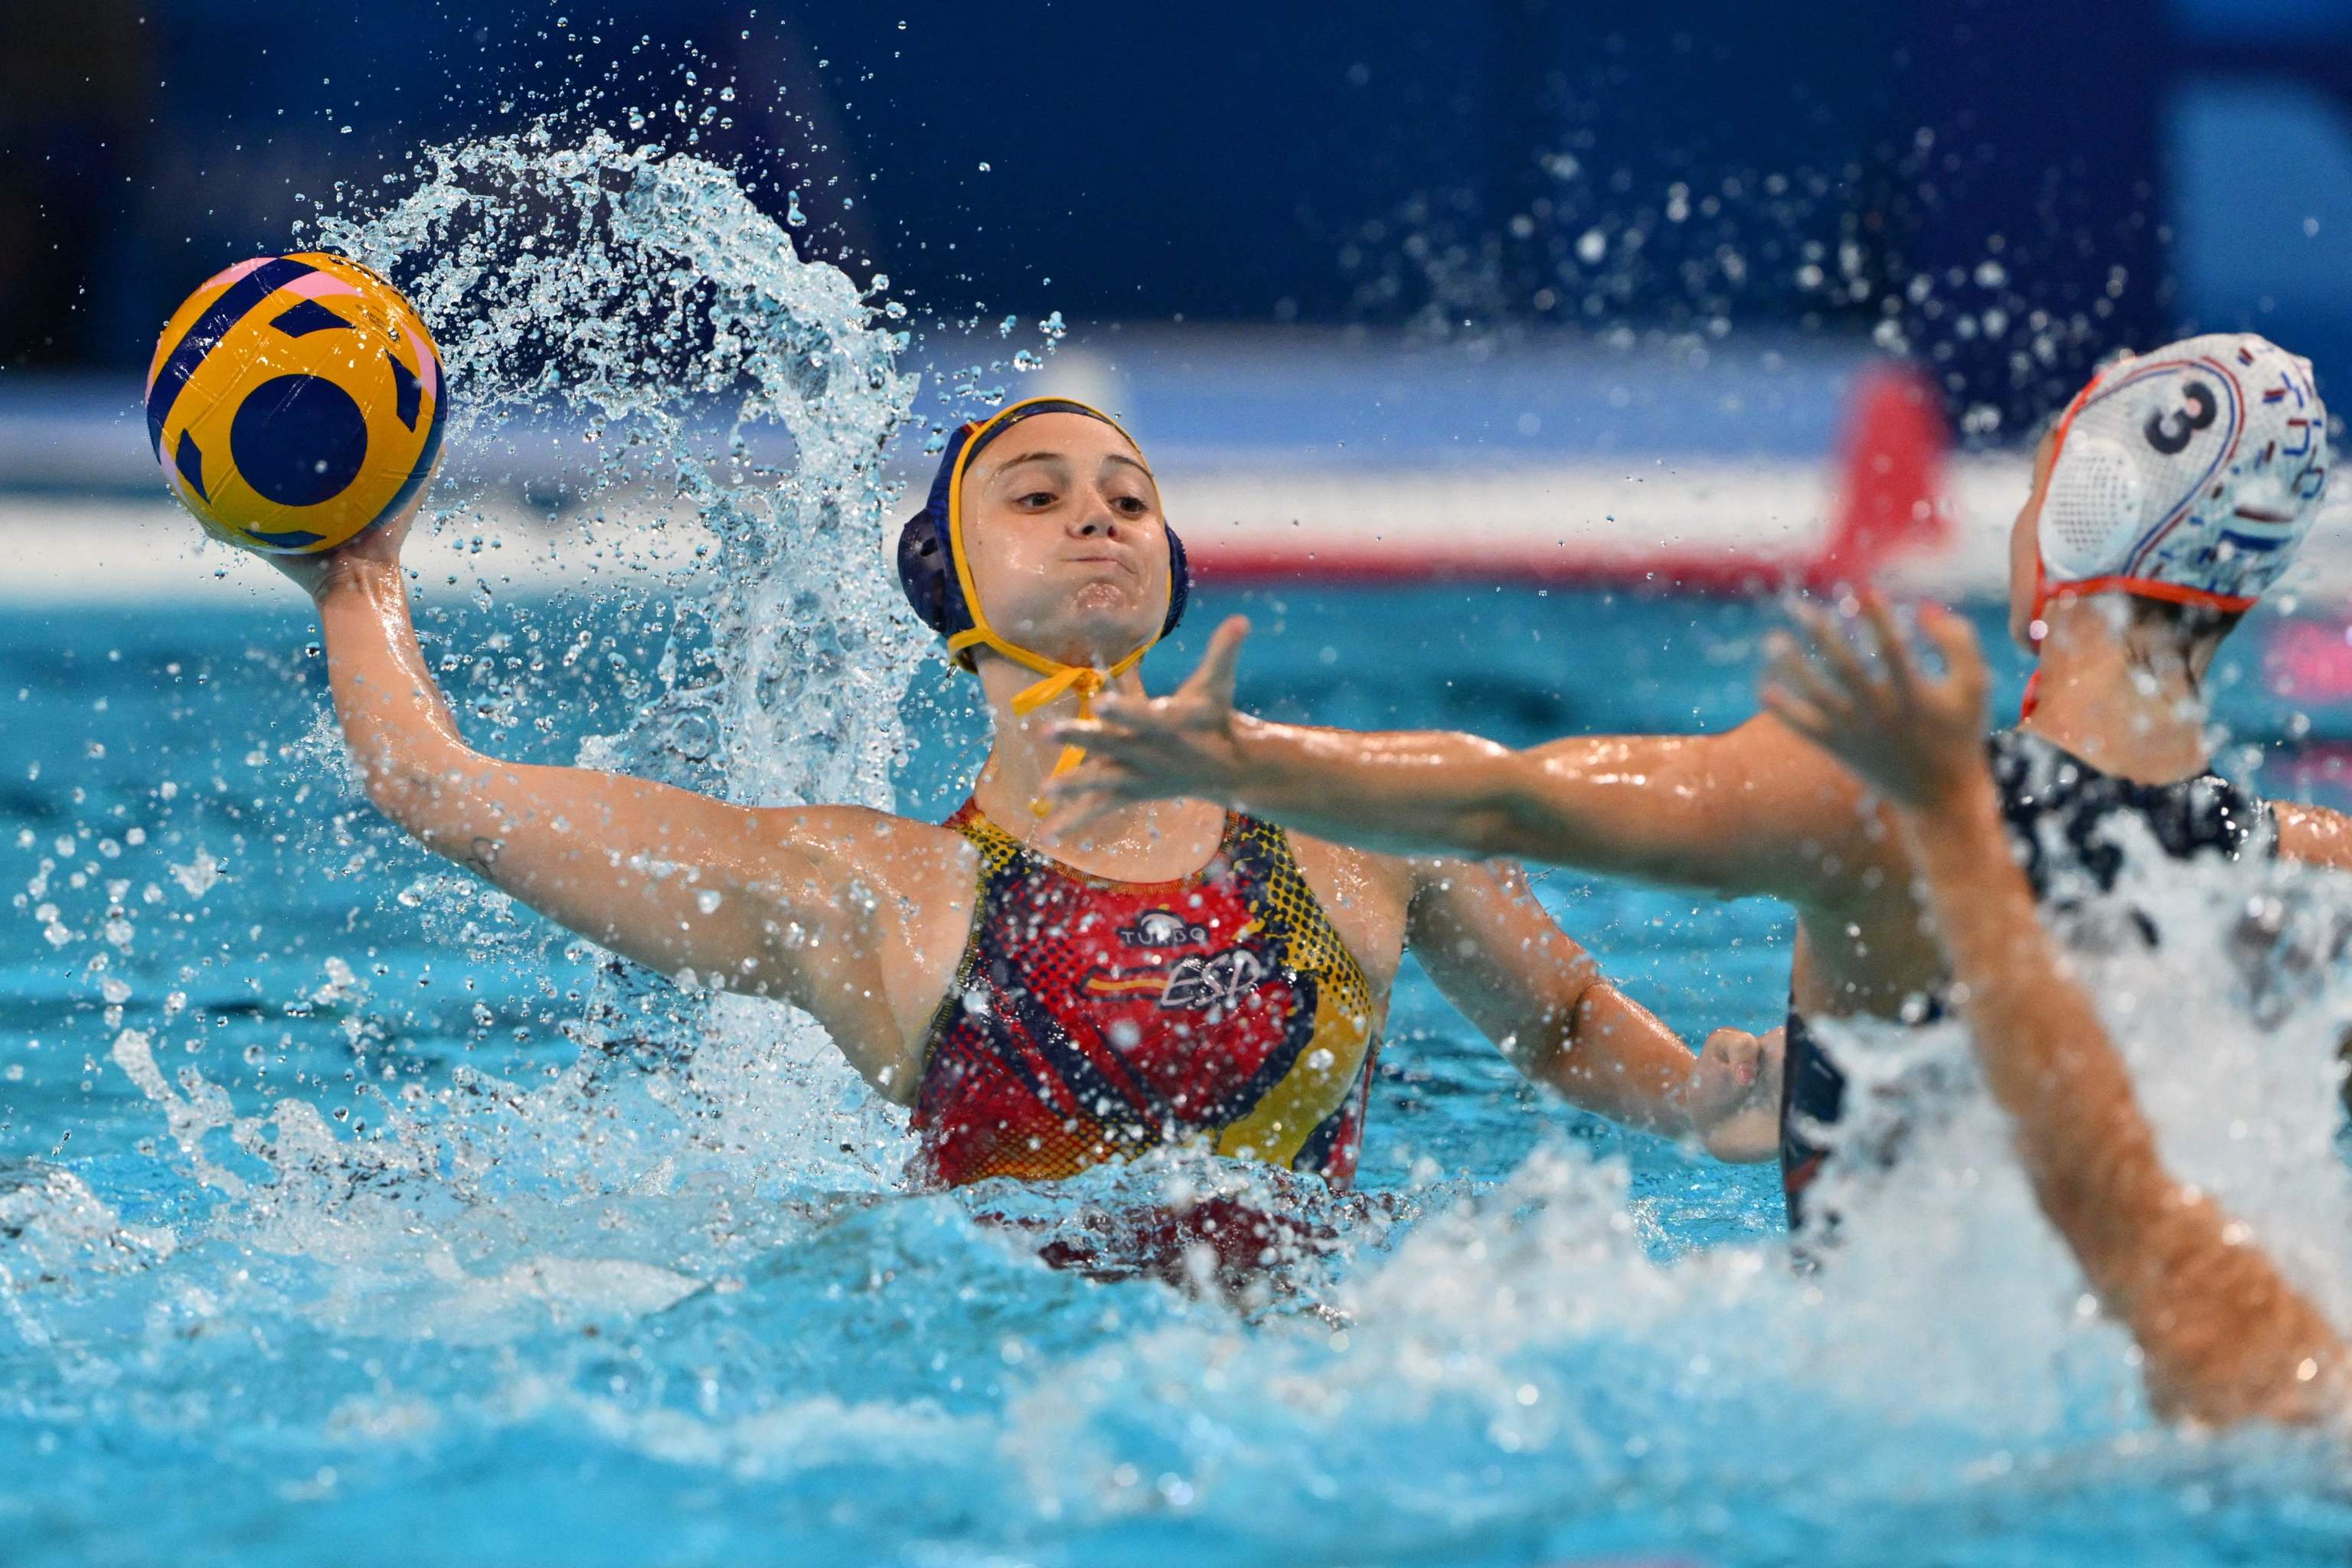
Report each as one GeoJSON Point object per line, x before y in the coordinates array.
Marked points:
{"type": "Point", "coordinates": [294, 402]}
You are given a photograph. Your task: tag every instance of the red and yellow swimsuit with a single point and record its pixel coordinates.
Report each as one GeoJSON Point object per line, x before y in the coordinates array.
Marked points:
{"type": "Point", "coordinates": [1093, 1019]}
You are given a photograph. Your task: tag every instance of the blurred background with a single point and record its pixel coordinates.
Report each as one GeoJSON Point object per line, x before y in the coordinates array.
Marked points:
{"type": "Point", "coordinates": [1493, 251]}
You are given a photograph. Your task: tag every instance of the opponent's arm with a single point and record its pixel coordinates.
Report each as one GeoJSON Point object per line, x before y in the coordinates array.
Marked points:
{"type": "Point", "coordinates": [2224, 1335]}
{"type": "Point", "coordinates": [1752, 810]}
{"type": "Point", "coordinates": [1490, 947]}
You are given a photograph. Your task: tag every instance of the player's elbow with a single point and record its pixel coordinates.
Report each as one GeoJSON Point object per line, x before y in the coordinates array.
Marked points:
{"type": "Point", "coordinates": [421, 798]}
{"type": "Point", "coordinates": [393, 788]}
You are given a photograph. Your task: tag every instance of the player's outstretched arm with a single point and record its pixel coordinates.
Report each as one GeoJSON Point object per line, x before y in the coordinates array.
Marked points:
{"type": "Point", "coordinates": [2224, 1335]}
{"type": "Point", "coordinates": [762, 901]}
{"type": "Point", "coordinates": [1753, 810]}
{"type": "Point", "coordinates": [1499, 956]}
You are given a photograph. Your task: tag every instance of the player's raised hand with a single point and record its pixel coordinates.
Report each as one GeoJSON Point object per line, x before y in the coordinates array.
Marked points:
{"type": "Point", "coordinates": [379, 545]}
{"type": "Point", "coordinates": [1913, 737]}
{"type": "Point", "coordinates": [1155, 748]}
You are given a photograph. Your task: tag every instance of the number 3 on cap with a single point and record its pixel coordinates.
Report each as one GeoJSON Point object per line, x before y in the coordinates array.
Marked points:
{"type": "Point", "coordinates": [2171, 438]}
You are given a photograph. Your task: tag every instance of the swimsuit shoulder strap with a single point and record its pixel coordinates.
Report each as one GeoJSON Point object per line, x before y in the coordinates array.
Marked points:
{"type": "Point", "coordinates": [999, 850]}
{"type": "Point", "coordinates": [1263, 857]}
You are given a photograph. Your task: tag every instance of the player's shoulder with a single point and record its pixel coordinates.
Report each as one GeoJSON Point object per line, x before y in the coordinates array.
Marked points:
{"type": "Point", "coordinates": [1336, 869]}
{"type": "Point", "coordinates": [863, 839]}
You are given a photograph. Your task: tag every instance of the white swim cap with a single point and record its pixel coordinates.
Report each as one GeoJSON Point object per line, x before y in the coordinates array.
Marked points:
{"type": "Point", "coordinates": [2189, 474]}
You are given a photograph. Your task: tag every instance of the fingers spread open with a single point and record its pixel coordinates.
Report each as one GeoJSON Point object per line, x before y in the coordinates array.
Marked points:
{"type": "Point", "coordinates": [1091, 776]}
{"type": "Point", "coordinates": [1119, 705]}
{"type": "Point", "coordinates": [1075, 807]}
{"type": "Point", "coordinates": [1893, 650]}
{"type": "Point", "coordinates": [1221, 664]}
{"type": "Point", "coordinates": [1789, 667]}
{"type": "Point", "coordinates": [1796, 714]}
{"type": "Point", "coordinates": [1835, 652]}
{"type": "Point", "coordinates": [1088, 734]}
{"type": "Point", "coordinates": [1956, 641]}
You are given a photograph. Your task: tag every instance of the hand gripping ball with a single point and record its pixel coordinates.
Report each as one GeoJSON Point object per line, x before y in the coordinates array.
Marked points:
{"type": "Point", "coordinates": [294, 402]}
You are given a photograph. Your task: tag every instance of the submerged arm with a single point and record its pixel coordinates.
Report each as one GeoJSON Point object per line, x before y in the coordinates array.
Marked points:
{"type": "Point", "coordinates": [1491, 948]}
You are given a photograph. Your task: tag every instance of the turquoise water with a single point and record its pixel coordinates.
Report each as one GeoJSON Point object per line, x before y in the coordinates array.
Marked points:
{"type": "Point", "coordinates": [372, 1269]}
{"type": "Point", "coordinates": [348, 1215]}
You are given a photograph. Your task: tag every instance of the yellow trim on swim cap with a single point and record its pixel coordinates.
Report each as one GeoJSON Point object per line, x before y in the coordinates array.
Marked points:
{"type": "Point", "coordinates": [1058, 678]}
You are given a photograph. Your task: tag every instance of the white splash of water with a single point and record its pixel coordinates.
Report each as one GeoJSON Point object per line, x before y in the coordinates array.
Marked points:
{"type": "Point", "coordinates": [735, 395]}
{"type": "Point", "coordinates": [1946, 1311]}
{"type": "Point", "coordinates": [644, 294]}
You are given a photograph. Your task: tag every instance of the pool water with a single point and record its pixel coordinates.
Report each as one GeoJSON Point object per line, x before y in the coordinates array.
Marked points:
{"type": "Point", "coordinates": [319, 1243]}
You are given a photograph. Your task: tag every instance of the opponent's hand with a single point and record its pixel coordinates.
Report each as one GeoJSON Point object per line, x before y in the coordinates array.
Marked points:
{"type": "Point", "coordinates": [1733, 1095]}
{"type": "Point", "coordinates": [1913, 738]}
{"type": "Point", "coordinates": [378, 546]}
{"type": "Point", "coordinates": [1155, 748]}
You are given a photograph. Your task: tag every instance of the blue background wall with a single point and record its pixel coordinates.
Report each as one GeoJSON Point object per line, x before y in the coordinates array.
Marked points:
{"type": "Point", "coordinates": [2127, 167]}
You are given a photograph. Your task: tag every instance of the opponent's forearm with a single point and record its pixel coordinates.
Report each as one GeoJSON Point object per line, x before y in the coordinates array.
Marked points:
{"type": "Point", "coordinates": [2045, 1054]}
{"type": "Point", "coordinates": [1620, 805]}
{"type": "Point", "coordinates": [2224, 1334]}
{"type": "Point", "coordinates": [1403, 793]}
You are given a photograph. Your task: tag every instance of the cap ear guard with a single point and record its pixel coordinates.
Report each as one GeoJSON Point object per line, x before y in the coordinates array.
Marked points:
{"type": "Point", "coordinates": [1180, 582]}
{"type": "Point", "coordinates": [2093, 507]}
{"type": "Point", "coordinates": [928, 577]}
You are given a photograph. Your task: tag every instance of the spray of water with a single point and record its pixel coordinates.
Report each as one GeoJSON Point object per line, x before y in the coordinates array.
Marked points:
{"type": "Point", "coordinates": [674, 1252]}
{"type": "Point", "coordinates": [642, 296]}
{"type": "Point", "coordinates": [1944, 1343]}
{"type": "Point", "coordinates": [735, 401]}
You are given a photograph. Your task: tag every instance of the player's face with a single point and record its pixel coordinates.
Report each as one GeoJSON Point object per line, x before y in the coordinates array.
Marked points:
{"type": "Point", "coordinates": [1063, 530]}
{"type": "Point", "coordinates": [2025, 546]}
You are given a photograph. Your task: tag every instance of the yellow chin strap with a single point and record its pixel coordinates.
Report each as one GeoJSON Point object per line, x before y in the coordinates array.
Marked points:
{"type": "Point", "coordinates": [1057, 680]}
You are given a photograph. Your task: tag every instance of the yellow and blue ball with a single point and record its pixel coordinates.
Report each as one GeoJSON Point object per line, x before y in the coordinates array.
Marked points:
{"type": "Point", "coordinates": [294, 402]}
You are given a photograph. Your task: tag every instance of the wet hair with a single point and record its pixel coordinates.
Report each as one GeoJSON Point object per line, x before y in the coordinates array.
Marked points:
{"type": "Point", "coordinates": [2194, 631]}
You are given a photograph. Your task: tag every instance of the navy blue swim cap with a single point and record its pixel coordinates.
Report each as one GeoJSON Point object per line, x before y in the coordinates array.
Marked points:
{"type": "Point", "coordinates": [927, 568]}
